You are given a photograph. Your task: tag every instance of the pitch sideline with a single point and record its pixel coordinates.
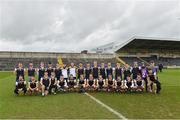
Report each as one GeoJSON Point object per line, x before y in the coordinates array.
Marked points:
{"type": "Point", "coordinates": [107, 107]}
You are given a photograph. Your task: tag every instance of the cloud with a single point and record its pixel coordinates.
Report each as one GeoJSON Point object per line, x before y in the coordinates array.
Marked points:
{"type": "Point", "coordinates": [74, 25]}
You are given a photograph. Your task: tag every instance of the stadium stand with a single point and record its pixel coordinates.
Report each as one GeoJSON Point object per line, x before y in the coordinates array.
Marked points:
{"type": "Point", "coordinates": [9, 60]}
{"type": "Point", "coordinates": [130, 60]}
{"type": "Point", "coordinates": [162, 60]}
{"type": "Point", "coordinates": [164, 51]}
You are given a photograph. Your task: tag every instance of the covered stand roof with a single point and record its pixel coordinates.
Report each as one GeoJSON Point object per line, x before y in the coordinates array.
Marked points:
{"type": "Point", "coordinates": [150, 43]}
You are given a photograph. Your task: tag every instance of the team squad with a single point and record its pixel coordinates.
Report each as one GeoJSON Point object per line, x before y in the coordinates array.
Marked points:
{"type": "Point", "coordinates": [65, 78]}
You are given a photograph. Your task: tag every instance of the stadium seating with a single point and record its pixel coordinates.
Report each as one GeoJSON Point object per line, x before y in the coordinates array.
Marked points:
{"type": "Point", "coordinates": [10, 63]}
{"type": "Point", "coordinates": [166, 61]}
{"type": "Point", "coordinates": [7, 64]}
{"type": "Point", "coordinates": [76, 61]}
{"type": "Point", "coordinates": [130, 60]}
{"type": "Point", "coordinates": [9, 60]}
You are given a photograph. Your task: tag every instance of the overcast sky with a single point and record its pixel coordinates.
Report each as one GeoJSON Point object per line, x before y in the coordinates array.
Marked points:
{"type": "Point", "coordinates": [74, 25]}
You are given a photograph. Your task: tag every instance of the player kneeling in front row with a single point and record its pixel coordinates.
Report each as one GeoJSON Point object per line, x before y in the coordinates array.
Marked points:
{"type": "Point", "coordinates": [20, 86]}
{"type": "Point", "coordinates": [118, 84]}
{"type": "Point", "coordinates": [53, 86]}
{"type": "Point", "coordinates": [33, 86]}
{"type": "Point", "coordinates": [130, 84]}
{"type": "Point", "coordinates": [153, 84]}
{"type": "Point", "coordinates": [62, 84]}
{"type": "Point", "coordinates": [124, 86]}
{"type": "Point", "coordinates": [110, 83]}
{"type": "Point", "coordinates": [71, 83]}
{"type": "Point", "coordinates": [81, 84]}
{"type": "Point", "coordinates": [91, 83]}
{"type": "Point", "coordinates": [101, 85]}
{"type": "Point", "coordinates": [45, 84]}
{"type": "Point", "coordinates": [139, 83]}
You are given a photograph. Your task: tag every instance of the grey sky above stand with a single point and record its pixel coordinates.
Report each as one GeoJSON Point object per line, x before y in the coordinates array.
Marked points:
{"type": "Point", "coordinates": [74, 25]}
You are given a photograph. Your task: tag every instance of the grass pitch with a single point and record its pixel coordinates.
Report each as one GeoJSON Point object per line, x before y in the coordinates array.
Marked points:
{"type": "Point", "coordinates": [166, 105]}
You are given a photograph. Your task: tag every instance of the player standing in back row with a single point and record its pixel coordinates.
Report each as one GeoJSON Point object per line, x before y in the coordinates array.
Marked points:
{"type": "Point", "coordinates": [135, 71]}
{"type": "Point", "coordinates": [109, 70]}
{"type": "Point", "coordinates": [88, 71]}
{"type": "Point", "coordinates": [41, 71]}
{"type": "Point", "coordinates": [19, 71]}
{"type": "Point", "coordinates": [80, 70]}
{"type": "Point", "coordinates": [95, 70]}
{"type": "Point", "coordinates": [118, 71]}
{"type": "Point", "coordinates": [65, 72]}
{"type": "Point", "coordinates": [31, 71]}
{"type": "Point", "coordinates": [72, 70]}
{"type": "Point", "coordinates": [126, 71]}
{"type": "Point", "coordinates": [50, 69]}
{"type": "Point", "coordinates": [103, 71]}
{"type": "Point", "coordinates": [58, 71]}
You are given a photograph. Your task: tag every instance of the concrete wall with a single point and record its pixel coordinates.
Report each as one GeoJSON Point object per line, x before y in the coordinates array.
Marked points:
{"type": "Point", "coordinates": [4, 54]}
{"type": "Point", "coordinates": [148, 53]}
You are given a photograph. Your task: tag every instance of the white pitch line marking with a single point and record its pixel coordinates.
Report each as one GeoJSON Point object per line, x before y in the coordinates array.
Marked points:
{"type": "Point", "coordinates": [107, 107]}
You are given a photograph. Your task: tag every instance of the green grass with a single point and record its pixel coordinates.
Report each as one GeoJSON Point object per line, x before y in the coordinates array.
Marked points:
{"type": "Point", "coordinates": [166, 105]}
{"type": "Point", "coordinates": [141, 106]}
{"type": "Point", "coordinates": [70, 105]}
